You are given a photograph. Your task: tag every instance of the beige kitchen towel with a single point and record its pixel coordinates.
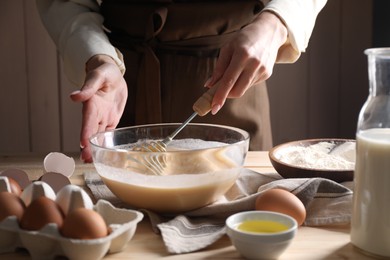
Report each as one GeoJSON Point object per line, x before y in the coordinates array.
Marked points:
{"type": "Point", "coordinates": [326, 202]}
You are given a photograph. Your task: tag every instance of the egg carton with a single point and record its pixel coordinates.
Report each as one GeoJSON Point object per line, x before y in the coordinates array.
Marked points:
{"type": "Point", "coordinates": [48, 243]}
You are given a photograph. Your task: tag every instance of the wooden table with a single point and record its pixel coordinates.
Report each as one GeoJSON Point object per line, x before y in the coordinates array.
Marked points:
{"type": "Point", "coordinates": [310, 243]}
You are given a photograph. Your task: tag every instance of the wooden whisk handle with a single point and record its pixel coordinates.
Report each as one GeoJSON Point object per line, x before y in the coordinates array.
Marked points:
{"type": "Point", "coordinates": [203, 105]}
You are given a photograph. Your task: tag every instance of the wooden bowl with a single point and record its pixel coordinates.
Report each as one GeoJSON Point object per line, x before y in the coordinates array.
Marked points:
{"type": "Point", "coordinates": [303, 170]}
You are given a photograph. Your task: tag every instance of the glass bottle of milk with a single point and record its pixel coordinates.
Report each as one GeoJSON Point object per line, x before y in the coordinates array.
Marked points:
{"type": "Point", "coordinates": [370, 227]}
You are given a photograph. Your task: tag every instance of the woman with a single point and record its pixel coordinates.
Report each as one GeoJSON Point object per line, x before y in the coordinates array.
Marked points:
{"type": "Point", "coordinates": [172, 49]}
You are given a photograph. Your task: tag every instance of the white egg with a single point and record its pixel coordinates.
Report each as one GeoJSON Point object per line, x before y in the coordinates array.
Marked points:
{"type": "Point", "coordinates": [36, 190]}
{"type": "Point", "coordinates": [72, 197]}
{"type": "Point", "coordinates": [59, 163]}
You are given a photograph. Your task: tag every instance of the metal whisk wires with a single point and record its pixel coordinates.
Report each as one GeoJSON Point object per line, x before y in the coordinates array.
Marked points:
{"type": "Point", "coordinates": [156, 164]}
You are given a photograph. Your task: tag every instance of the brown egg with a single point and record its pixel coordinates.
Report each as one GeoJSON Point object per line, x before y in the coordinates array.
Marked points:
{"type": "Point", "coordinates": [282, 201]}
{"type": "Point", "coordinates": [11, 205]}
{"type": "Point", "coordinates": [82, 223]}
{"type": "Point", "coordinates": [41, 212]}
{"type": "Point", "coordinates": [15, 187]}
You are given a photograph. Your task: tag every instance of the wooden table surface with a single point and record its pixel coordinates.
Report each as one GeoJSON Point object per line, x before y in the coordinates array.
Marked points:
{"type": "Point", "coordinates": [332, 242]}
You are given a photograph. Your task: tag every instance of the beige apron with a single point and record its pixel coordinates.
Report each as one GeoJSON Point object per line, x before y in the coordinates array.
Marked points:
{"type": "Point", "coordinates": [170, 49]}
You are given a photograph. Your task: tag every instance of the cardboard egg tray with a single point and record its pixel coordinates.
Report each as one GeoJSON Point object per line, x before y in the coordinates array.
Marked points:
{"type": "Point", "coordinates": [48, 243]}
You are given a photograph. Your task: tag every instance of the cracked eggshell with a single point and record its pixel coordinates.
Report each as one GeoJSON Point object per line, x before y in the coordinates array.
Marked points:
{"type": "Point", "coordinates": [71, 197]}
{"type": "Point", "coordinates": [59, 163]}
{"type": "Point", "coordinates": [36, 190]}
{"type": "Point", "coordinates": [18, 175]}
{"type": "Point", "coordinates": [56, 180]}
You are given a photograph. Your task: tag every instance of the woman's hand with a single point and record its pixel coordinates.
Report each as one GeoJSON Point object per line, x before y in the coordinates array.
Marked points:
{"type": "Point", "coordinates": [247, 59]}
{"type": "Point", "coordinates": [104, 96]}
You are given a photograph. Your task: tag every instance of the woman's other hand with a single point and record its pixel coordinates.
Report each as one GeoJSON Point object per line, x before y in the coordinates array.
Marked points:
{"type": "Point", "coordinates": [104, 96]}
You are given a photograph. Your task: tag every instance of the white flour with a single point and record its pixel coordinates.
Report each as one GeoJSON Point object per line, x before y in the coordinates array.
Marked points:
{"type": "Point", "coordinates": [323, 155]}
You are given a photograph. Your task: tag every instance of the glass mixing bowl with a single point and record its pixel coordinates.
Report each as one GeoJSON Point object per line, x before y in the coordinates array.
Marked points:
{"type": "Point", "coordinates": [200, 164]}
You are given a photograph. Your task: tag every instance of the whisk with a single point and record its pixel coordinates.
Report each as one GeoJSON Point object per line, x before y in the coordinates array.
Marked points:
{"type": "Point", "coordinates": [201, 107]}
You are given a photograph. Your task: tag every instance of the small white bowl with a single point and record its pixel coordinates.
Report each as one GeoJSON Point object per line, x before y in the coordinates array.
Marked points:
{"type": "Point", "coordinates": [255, 245]}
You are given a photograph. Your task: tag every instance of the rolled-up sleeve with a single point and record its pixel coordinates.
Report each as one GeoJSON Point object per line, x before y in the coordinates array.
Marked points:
{"type": "Point", "coordinates": [76, 29]}
{"type": "Point", "coordinates": [299, 16]}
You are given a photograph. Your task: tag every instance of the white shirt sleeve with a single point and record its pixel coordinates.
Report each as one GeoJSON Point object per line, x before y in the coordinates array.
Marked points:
{"type": "Point", "coordinates": [76, 29]}
{"type": "Point", "coordinates": [299, 16]}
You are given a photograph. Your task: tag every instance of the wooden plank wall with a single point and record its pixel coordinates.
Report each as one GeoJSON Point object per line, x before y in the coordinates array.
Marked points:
{"type": "Point", "coordinates": [318, 96]}
{"type": "Point", "coordinates": [14, 103]}
{"type": "Point", "coordinates": [35, 111]}
{"type": "Point", "coordinates": [321, 95]}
